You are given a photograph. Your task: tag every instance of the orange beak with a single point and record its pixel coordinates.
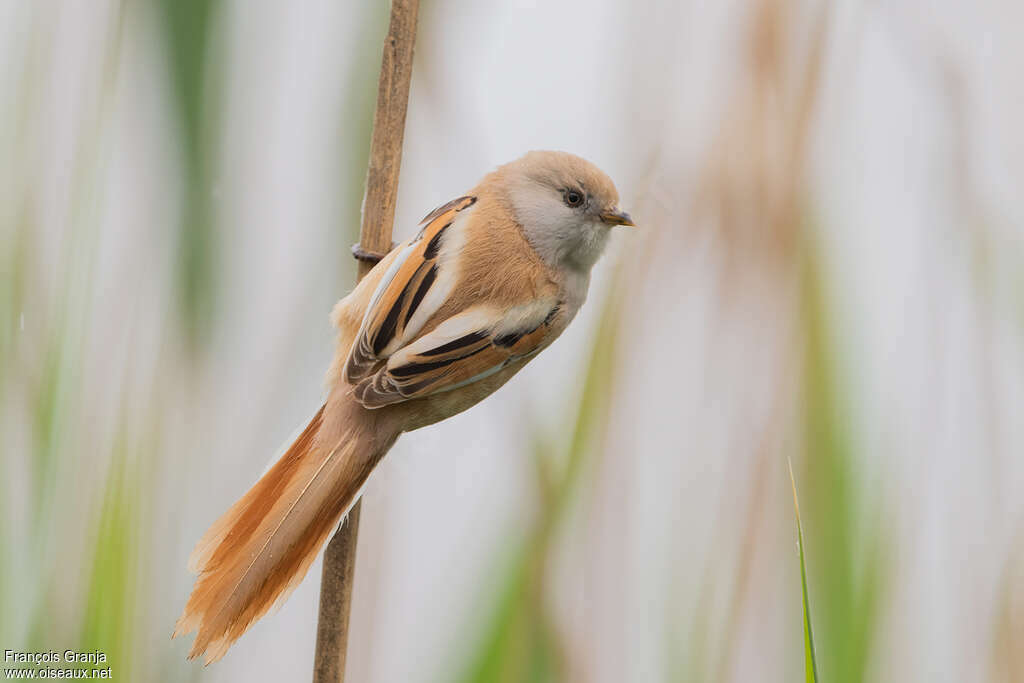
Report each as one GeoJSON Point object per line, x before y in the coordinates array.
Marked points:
{"type": "Point", "coordinates": [617, 217]}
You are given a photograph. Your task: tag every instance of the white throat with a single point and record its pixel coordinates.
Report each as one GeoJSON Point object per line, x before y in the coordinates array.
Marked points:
{"type": "Point", "coordinates": [563, 237]}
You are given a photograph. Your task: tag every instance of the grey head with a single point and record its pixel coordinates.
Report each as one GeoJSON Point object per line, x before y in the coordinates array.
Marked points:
{"type": "Point", "coordinates": [566, 206]}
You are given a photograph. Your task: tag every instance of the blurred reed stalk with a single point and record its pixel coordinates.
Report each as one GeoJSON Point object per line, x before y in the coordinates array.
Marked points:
{"type": "Point", "coordinates": [751, 195]}
{"type": "Point", "coordinates": [755, 194]}
{"type": "Point", "coordinates": [375, 241]}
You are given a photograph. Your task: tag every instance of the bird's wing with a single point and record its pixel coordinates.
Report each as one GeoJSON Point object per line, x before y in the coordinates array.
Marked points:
{"type": "Point", "coordinates": [412, 289]}
{"type": "Point", "coordinates": [465, 348]}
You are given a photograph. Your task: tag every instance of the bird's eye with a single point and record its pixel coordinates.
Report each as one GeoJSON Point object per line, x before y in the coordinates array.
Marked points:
{"type": "Point", "coordinates": [573, 198]}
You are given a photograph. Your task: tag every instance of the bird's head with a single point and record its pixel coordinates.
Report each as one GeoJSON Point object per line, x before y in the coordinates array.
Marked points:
{"type": "Point", "coordinates": [565, 205]}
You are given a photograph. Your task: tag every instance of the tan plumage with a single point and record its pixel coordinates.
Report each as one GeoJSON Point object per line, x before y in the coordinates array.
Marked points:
{"type": "Point", "coordinates": [445, 319]}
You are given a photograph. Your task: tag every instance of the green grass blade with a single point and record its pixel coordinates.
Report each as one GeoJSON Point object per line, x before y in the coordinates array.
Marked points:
{"type": "Point", "coordinates": [845, 521]}
{"type": "Point", "coordinates": [810, 659]}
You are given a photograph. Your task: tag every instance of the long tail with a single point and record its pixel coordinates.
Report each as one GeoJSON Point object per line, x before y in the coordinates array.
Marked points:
{"type": "Point", "coordinates": [260, 550]}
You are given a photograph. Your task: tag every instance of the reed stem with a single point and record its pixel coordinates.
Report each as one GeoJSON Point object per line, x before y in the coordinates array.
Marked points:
{"type": "Point", "coordinates": [375, 238]}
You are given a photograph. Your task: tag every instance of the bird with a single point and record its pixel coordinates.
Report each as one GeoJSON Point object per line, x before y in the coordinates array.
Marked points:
{"type": "Point", "coordinates": [448, 316]}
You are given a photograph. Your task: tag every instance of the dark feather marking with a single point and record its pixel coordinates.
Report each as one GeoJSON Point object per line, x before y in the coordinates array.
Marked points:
{"type": "Point", "coordinates": [510, 339]}
{"type": "Point", "coordinates": [387, 328]}
{"type": "Point", "coordinates": [546, 321]}
{"type": "Point", "coordinates": [421, 292]}
{"type": "Point", "coordinates": [466, 202]}
{"type": "Point", "coordinates": [359, 361]}
{"type": "Point", "coordinates": [464, 340]}
{"type": "Point", "coordinates": [415, 368]}
{"type": "Point", "coordinates": [434, 246]}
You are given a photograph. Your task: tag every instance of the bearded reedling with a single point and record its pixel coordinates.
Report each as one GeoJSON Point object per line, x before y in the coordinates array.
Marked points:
{"type": "Point", "coordinates": [447, 317]}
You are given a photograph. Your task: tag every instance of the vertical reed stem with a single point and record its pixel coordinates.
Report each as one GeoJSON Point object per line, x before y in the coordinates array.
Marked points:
{"type": "Point", "coordinates": [375, 238]}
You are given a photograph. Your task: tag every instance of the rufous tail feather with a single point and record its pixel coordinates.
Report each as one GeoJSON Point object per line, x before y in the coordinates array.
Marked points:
{"type": "Point", "coordinates": [260, 550]}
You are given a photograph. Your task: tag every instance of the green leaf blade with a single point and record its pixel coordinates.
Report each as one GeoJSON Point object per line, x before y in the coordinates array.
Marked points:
{"type": "Point", "coordinates": [810, 658]}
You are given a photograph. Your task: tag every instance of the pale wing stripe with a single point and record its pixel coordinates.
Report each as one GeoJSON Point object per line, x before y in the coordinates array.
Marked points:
{"type": "Point", "coordinates": [428, 367]}
{"type": "Point", "coordinates": [473, 320]}
{"type": "Point", "coordinates": [385, 280]}
{"type": "Point", "coordinates": [445, 281]}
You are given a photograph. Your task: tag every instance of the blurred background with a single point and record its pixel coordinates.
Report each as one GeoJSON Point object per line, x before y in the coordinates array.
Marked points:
{"type": "Point", "coordinates": [829, 268]}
